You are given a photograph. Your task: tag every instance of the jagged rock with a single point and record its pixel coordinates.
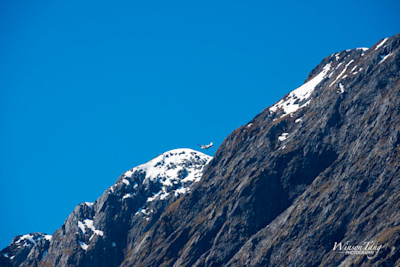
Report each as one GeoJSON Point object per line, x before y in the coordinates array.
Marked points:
{"type": "Point", "coordinates": [99, 233]}
{"type": "Point", "coordinates": [25, 250]}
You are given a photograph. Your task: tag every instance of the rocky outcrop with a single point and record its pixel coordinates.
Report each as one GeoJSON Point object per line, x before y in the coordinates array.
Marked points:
{"type": "Point", "coordinates": [25, 250]}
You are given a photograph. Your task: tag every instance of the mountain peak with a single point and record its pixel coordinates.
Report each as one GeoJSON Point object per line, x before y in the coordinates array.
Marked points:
{"type": "Point", "coordinates": [172, 171]}
{"type": "Point", "coordinates": [24, 245]}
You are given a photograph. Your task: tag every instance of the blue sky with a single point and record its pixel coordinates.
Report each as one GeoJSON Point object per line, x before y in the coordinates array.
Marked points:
{"type": "Point", "coordinates": [90, 89]}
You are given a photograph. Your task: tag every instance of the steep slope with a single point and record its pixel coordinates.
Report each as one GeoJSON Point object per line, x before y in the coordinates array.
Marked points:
{"type": "Point", "coordinates": [318, 167]}
{"type": "Point", "coordinates": [32, 245]}
{"type": "Point", "coordinates": [97, 234]}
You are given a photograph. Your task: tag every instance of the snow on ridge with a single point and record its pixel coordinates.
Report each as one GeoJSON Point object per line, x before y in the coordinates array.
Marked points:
{"type": "Point", "coordinates": [383, 58]}
{"type": "Point", "coordinates": [127, 195]}
{"type": "Point", "coordinates": [83, 245]}
{"type": "Point", "coordinates": [168, 157]}
{"type": "Point", "coordinates": [87, 223]}
{"type": "Point", "coordinates": [28, 237]}
{"type": "Point", "coordinates": [31, 239]}
{"type": "Point", "coordinates": [291, 103]}
{"type": "Point", "coordinates": [89, 204]}
{"type": "Point", "coordinates": [172, 169]}
{"type": "Point", "coordinates": [83, 226]}
{"type": "Point", "coordinates": [381, 43]}
{"type": "Point", "coordinates": [283, 137]}
{"type": "Point", "coordinates": [341, 74]}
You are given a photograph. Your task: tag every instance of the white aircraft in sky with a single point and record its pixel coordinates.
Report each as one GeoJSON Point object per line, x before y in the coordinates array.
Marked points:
{"type": "Point", "coordinates": [206, 146]}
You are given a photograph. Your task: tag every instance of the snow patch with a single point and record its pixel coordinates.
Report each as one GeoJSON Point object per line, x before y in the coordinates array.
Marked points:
{"type": "Point", "coordinates": [283, 137]}
{"type": "Point", "coordinates": [298, 120]}
{"type": "Point", "coordinates": [89, 204]}
{"type": "Point", "coordinates": [28, 237]}
{"type": "Point", "coordinates": [381, 43]}
{"type": "Point", "coordinates": [155, 195]}
{"type": "Point", "coordinates": [125, 181]}
{"type": "Point", "coordinates": [291, 103]}
{"type": "Point", "coordinates": [87, 223]}
{"type": "Point", "coordinates": [341, 74]}
{"type": "Point", "coordinates": [82, 227]}
{"type": "Point", "coordinates": [341, 88]}
{"type": "Point", "coordinates": [139, 211]}
{"type": "Point", "coordinates": [128, 173]}
{"type": "Point", "coordinates": [83, 245]}
{"type": "Point", "coordinates": [383, 58]}
{"type": "Point", "coordinates": [181, 190]}
{"type": "Point", "coordinates": [178, 167]}
{"type": "Point", "coordinates": [353, 69]}
{"type": "Point", "coordinates": [111, 190]}
{"type": "Point", "coordinates": [127, 195]}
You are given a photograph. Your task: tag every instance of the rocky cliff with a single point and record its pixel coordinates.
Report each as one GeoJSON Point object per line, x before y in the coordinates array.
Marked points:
{"type": "Point", "coordinates": [318, 167]}
{"type": "Point", "coordinates": [312, 180]}
{"type": "Point", "coordinates": [99, 233]}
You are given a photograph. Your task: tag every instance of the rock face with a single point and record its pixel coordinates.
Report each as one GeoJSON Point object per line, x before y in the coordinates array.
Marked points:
{"type": "Point", "coordinates": [315, 173]}
{"type": "Point", "coordinates": [99, 233]}
{"type": "Point", "coordinates": [318, 167]}
{"type": "Point", "coordinates": [27, 249]}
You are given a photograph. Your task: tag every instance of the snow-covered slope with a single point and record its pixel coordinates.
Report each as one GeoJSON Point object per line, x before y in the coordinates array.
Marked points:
{"type": "Point", "coordinates": [299, 97]}
{"type": "Point", "coordinates": [171, 172]}
{"type": "Point", "coordinates": [124, 212]}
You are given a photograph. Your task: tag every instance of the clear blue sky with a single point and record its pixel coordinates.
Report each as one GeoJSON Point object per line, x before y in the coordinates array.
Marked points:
{"type": "Point", "coordinates": [90, 89]}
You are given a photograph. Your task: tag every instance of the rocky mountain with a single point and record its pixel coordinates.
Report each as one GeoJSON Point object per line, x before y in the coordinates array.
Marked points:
{"type": "Point", "coordinates": [97, 234]}
{"type": "Point", "coordinates": [32, 245]}
{"type": "Point", "coordinates": [312, 180]}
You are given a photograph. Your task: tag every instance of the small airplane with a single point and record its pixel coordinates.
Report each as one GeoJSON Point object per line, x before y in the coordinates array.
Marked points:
{"type": "Point", "coordinates": [206, 146]}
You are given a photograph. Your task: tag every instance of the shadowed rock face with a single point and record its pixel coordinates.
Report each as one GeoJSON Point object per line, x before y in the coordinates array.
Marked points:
{"type": "Point", "coordinates": [318, 167]}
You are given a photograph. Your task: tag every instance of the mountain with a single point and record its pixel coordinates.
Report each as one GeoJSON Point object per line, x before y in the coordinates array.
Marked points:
{"type": "Point", "coordinates": [96, 234]}
{"type": "Point", "coordinates": [22, 247]}
{"type": "Point", "coordinates": [312, 180]}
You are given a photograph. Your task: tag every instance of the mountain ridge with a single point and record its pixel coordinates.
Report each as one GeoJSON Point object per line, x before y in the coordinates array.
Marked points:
{"type": "Point", "coordinates": [319, 166]}
{"type": "Point", "coordinates": [289, 170]}
{"type": "Point", "coordinates": [140, 194]}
